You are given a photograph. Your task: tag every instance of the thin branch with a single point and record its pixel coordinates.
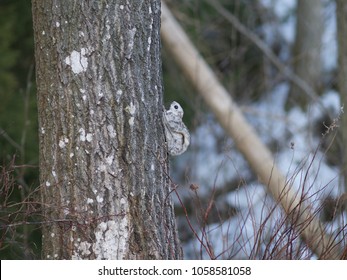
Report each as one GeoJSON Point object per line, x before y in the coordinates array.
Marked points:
{"type": "Point", "coordinates": [285, 70]}
{"type": "Point", "coordinates": [4, 134]}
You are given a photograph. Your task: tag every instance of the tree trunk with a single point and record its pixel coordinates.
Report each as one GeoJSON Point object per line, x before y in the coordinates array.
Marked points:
{"type": "Point", "coordinates": [103, 162]}
{"type": "Point", "coordinates": [307, 48]}
{"type": "Point", "coordinates": [341, 15]}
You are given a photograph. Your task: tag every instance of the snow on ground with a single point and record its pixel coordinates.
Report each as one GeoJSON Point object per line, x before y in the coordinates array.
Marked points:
{"type": "Point", "coordinates": [298, 157]}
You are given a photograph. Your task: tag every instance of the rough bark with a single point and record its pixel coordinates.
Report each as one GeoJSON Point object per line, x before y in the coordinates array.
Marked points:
{"type": "Point", "coordinates": [307, 48]}
{"type": "Point", "coordinates": [341, 15]}
{"type": "Point", "coordinates": [103, 163]}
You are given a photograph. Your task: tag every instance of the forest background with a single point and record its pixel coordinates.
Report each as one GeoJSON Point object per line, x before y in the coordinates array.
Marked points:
{"type": "Point", "coordinates": [215, 182]}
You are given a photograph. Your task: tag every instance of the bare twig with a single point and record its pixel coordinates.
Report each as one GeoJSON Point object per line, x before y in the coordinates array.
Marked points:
{"type": "Point", "coordinates": [285, 70]}
{"type": "Point", "coordinates": [4, 134]}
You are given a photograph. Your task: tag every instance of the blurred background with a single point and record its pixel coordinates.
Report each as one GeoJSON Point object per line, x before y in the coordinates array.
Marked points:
{"type": "Point", "coordinates": [18, 133]}
{"type": "Point", "coordinates": [229, 212]}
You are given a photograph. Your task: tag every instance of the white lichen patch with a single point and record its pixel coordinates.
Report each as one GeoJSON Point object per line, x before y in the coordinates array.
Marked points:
{"type": "Point", "coordinates": [57, 24]}
{"type": "Point", "coordinates": [82, 249]}
{"type": "Point", "coordinates": [99, 199]}
{"type": "Point", "coordinates": [107, 35]}
{"type": "Point", "coordinates": [85, 136]}
{"type": "Point", "coordinates": [149, 40]}
{"type": "Point", "coordinates": [102, 168]}
{"type": "Point", "coordinates": [111, 239]}
{"type": "Point", "coordinates": [89, 137]}
{"type": "Point", "coordinates": [109, 159]}
{"type": "Point", "coordinates": [66, 211]}
{"type": "Point", "coordinates": [63, 142]}
{"type": "Point", "coordinates": [131, 109]}
{"type": "Point", "coordinates": [78, 61]}
{"type": "Point", "coordinates": [90, 201]}
{"type": "Point", "coordinates": [119, 93]}
{"type": "Point", "coordinates": [111, 131]}
{"type": "Point", "coordinates": [48, 184]}
{"type": "Point", "coordinates": [82, 134]}
{"type": "Point", "coordinates": [130, 37]}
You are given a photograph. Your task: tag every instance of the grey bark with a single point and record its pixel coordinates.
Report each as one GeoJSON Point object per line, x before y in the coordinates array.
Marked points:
{"type": "Point", "coordinates": [307, 48]}
{"type": "Point", "coordinates": [341, 15]}
{"type": "Point", "coordinates": [103, 162]}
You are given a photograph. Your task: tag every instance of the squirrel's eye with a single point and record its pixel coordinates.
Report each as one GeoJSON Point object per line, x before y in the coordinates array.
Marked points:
{"type": "Point", "coordinates": [176, 107]}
